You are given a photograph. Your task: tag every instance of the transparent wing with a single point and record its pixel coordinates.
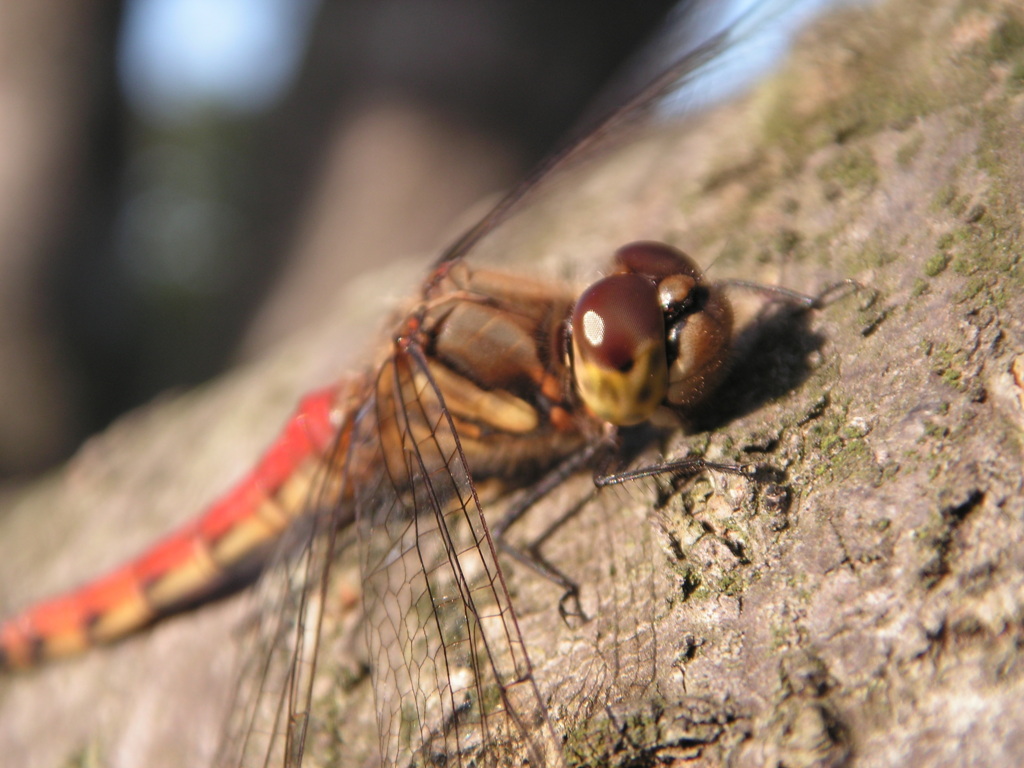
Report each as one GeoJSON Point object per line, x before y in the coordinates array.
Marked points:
{"type": "Point", "coordinates": [452, 677]}
{"type": "Point", "coordinates": [270, 721]}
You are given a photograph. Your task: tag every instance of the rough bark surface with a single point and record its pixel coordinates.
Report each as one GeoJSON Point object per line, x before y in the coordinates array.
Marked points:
{"type": "Point", "coordinates": [863, 608]}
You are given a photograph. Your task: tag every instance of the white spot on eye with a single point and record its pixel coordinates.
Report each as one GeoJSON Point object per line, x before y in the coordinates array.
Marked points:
{"type": "Point", "coordinates": [593, 328]}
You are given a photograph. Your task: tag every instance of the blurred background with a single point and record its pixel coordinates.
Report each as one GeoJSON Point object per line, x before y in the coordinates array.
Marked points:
{"type": "Point", "coordinates": [185, 182]}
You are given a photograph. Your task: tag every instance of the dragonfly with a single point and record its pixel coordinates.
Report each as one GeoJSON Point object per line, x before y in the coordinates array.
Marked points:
{"type": "Point", "coordinates": [490, 377]}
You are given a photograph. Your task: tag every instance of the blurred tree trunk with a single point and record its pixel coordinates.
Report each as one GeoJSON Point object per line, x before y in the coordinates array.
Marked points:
{"type": "Point", "coordinates": [56, 71]}
{"type": "Point", "coordinates": [863, 610]}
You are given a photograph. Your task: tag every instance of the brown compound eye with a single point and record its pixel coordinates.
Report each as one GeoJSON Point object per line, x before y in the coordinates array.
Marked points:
{"type": "Point", "coordinates": [656, 260]}
{"type": "Point", "coordinates": [697, 318]}
{"type": "Point", "coordinates": [618, 342]}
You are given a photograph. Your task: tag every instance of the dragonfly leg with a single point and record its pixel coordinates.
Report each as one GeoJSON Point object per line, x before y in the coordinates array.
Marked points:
{"type": "Point", "coordinates": [686, 467]}
{"type": "Point", "coordinates": [531, 557]}
{"type": "Point", "coordinates": [823, 298]}
{"type": "Point", "coordinates": [568, 604]}
{"type": "Point", "coordinates": [569, 467]}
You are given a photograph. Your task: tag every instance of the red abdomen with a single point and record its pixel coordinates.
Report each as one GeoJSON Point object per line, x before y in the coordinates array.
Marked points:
{"type": "Point", "coordinates": [197, 559]}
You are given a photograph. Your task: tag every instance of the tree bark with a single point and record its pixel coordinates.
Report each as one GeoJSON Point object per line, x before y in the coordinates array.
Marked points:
{"type": "Point", "coordinates": [860, 606]}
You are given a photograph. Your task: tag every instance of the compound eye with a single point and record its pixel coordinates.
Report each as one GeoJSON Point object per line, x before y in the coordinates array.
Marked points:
{"type": "Point", "coordinates": [656, 260]}
{"type": "Point", "coordinates": [618, 341]}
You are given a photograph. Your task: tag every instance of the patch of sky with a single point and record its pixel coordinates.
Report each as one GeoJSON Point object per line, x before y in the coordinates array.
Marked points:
{"type": "Point", "coordinates": [177, 57]}
{"type": "Point", "coordinates": [760, 35]}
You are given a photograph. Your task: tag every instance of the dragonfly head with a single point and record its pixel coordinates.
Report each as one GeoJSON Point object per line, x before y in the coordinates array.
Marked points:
{"type": "Point", "coordinates": [651, 333]}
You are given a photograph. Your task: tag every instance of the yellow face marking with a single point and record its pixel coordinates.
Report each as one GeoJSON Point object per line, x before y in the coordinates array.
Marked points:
{"type": "Point", "coordinates": [623, 397]}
